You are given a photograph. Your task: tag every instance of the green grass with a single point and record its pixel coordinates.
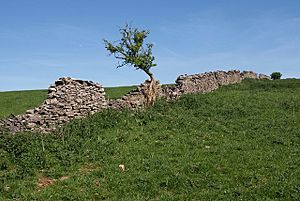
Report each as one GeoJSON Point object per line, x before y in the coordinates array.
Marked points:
{"type": "Point", "coordinates": [117, 92]}
{"type": "Point", "coordinates": [17, 102]}
{"type": "Point", "coordinates": [240, 142]}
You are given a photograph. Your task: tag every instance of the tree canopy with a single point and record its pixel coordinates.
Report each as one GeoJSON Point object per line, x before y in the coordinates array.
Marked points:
{"type": "Point", "coordinates": [131, 49]}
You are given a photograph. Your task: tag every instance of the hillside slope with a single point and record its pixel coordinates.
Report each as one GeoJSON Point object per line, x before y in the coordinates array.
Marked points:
{"type": "Point", "coordinates": [240, 142]}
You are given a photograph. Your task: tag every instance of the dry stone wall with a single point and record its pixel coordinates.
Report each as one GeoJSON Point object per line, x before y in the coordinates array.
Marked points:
{"type": "Point", "coordinates": [249, 75]}
{"type": "Point", "coordinates": [67, 99]}
{"type": "Point", "coordinates": [206, 82]}
{"type": "Point", "coordinates": [230, 77]}
{"type": "Point", "coordinates": [71, 98]}
{"type": "Point", "coordinates": [198, 83]}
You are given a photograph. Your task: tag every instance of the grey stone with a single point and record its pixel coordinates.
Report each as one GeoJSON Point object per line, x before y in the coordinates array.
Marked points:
{"type": "Point", "coordinates": [31, 125]}
{"type": "Point", "coordinates": [30, 111]}
{"type": "Point", "coordinates": [65, 100]}
{"type": "Point", "coordinates": [264, 77]}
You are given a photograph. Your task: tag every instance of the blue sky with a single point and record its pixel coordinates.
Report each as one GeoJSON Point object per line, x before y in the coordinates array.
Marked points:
{"type": "Point", "coordinates": [42, 40]}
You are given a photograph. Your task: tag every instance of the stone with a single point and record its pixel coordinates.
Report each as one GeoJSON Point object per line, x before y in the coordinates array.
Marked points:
{"type": "Point", "coordinates": [29, 111]}
{"type": "Point", "coordinates": [249, 74]}
{"type": "Point", "coordinates": [264, 77]}
{"type": "Point", "coordinates": [204, 82]}
{"type": "Point", "coordinates": [52, 89]}
{"type": "Point", "coordinates": [230, 77]}
{"type": "Point", "coordinates": [36, 119]}
{"type": "Point", "coordinates": [70, 114]}
{"type": "Point", "coordinates": [52, 101]}
{"type": "Point", "coordinates": [31, 125]}
{"type": "Point", "coordinates": [67, 98]}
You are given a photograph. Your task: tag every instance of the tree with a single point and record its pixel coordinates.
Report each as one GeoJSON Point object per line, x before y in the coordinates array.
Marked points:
{"type": "Point", "coordinates": [276, 76]}
{"type": "Point", "coordinates": [132, 51]}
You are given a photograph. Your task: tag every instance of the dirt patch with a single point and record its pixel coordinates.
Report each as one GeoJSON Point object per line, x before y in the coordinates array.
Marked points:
{"type": "Point", "coordinates": [43, 182]}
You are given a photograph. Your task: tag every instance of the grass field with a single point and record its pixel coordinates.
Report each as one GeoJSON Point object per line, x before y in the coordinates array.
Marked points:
{"type": "Point", "coordinates": [17, 102]}
{"type": "Point", "coordinates": [117, 92]}
{"type": "Point", "coordinates": [240, 142]}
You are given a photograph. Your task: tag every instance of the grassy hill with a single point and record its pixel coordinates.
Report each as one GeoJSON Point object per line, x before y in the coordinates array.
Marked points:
{"type": "Point", "coordinates": [240, 142]}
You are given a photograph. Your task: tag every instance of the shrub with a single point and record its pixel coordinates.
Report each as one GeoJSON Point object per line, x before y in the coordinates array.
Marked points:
{"type": "Point", "coordinates": [276, 75]}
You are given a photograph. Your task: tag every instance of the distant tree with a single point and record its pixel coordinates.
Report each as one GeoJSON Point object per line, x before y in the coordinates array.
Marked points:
{"type": "Point", "coordinates": [131, 50]}
{"type": "Point", "coordinates": [276, 75]}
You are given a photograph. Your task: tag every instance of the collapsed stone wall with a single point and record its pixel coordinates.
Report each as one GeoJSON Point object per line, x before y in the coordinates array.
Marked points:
{"type": "Point", "coordinates": [70, 98]}
{"type": "Point", "coordinates": [67, 99]}
{"type": "Point", "coordinates": [135, 99]}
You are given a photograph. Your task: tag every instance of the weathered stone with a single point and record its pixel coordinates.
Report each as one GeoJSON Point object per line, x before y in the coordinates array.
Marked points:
{"type": "Point", "coordinates": [67, 98]}
{"type": "Point", "coordinates": [264, 77]}
{"type": "Point", "coordinates": [52, 101]}
{"type": "Point", "coordinates": [204, 82]}
{"type": "Point", "coordinates": [31, 125]}
{"type": "Point", "coordinates": [70, 114]}
{"type": "Point", "coordinates": [230, 77]}
{"type": "Point", "coordinates": [29, 111]}
{"type": "Point", "coordinates": [199, 83]}
{"type": "Point", "coordinates": [36, 119]}
{"type": "Point", "coordinates": [52, 89]}
{"type": "Point", "coordinates": [249, 74]}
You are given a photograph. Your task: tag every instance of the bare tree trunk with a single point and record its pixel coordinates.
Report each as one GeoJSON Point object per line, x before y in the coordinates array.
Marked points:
{"type": "Point", "coordinates": [151, 92]}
